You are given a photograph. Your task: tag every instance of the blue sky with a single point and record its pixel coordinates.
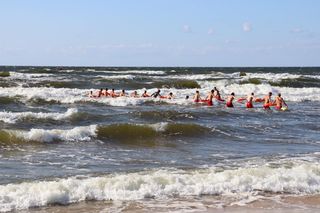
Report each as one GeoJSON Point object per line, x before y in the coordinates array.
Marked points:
{"type": "Point", "coordinates": [160, 32]}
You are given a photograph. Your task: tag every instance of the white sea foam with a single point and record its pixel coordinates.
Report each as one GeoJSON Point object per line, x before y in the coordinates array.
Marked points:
{"type": "Point", "coordinates": [159, 127]}
{"type": "Point", "coordinates": [63, 95]}
{"type": "Point", "coordinates": [67, 95]}
{"type": "Point", "coordinates": [273, 76]}
{"type": "Point", "coordinates": [301, 178]}
{"type": "Point", "coordinates": [13, 117]}
{"type": "Point", "coordinates": [116, 76]}
{"type": "Point", "coordinates": [290, 94]}
{"type": "Point", "coordinates": [147, 72]}
{"type": "Point", "coordinates": [197, 76]}
{"type": "Point", "coordinates": [82, 133]}
{"type": "Point", "coordinates": [278, 76]}
{"type": "Point", "coordinates": [28, 76]}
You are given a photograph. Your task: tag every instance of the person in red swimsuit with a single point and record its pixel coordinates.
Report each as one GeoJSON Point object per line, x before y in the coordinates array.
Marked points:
{"type": "Point", "coordinates": [267, 101]}
{"type": "Point", "coordinates": [106, 93]}
{"type": "Point", "coordinates": [209, 98]}
{"type": "Point", "coordinates": [250, 100]}
{"type": "Point", "coordinates": [216, 94]}
{"type": "Point", "coordinates": [145, 94]}
{"type": "Point", "coordinates": [196, 97]}
{"type": "Point", "coordinates": [279, 101]}
{"type": "Point", "coordinates": [230, 99]}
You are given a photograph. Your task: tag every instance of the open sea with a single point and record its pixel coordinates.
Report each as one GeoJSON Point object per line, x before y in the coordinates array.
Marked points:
{"type": "Point", "coordinates": [62, 151]}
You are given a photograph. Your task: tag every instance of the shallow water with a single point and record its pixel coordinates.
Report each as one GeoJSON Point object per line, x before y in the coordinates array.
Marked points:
{"type": "Point", "coordinates": [58, 146]}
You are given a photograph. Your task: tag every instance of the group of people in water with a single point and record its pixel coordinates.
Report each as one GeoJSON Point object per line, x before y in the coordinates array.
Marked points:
{"type": "Point", "coordinates": [214, 94]}
{"type": "Point", "coordinates": [278, 103]}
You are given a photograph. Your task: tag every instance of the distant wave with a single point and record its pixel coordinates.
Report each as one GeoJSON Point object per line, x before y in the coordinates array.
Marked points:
{"type": "Point", "coordinates": [116, 76]}
{"type": "Point", "coordinates": [244, 185]}
{"type": "Point", "coordinates": [28, 76]}
{"type": "Point", "coordinates": [147, 72]}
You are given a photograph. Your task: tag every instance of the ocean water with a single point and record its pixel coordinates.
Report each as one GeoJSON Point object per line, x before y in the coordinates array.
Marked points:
{"type": "Point", "coordinates": [60, 147]}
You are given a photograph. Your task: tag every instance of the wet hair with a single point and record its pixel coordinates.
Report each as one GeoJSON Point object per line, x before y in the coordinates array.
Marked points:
{"type": "Point", "coordinates": [252, 93]}
{"type": "Point", "coordinates": [123, 90]}
{"type": "Point", "coordinates": [170, 93]}
{"type": "Point", "coordinates": [270, 93]}
{"type": "Point", "coordinates": [106, 89]}
{"type": "Point", "coordinates": [279, 94]}
{"type": "Point", "coordinates": [215, 88]}
{"type": "Point", "coordinates": [187, 97]}
{"type": "Point", "coordinates": [212, 91]}
{"type": "Point", "coordinates": [101, 89]}
{"type": "Point", "coordinates": [197, 91]}
{"type": "Point", "coordinates": [145, 91]}
{"type": "Point", "coordinates": [232, 93]}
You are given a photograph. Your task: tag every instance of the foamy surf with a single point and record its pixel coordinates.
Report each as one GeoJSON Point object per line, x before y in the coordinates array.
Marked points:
{"type": "Point", "coordinates": [13, 117]}
{"type": "Point", "coordinates": [29, 76]}
{"type": "Point", "coordinates": [243, 184]}
{"type": "Point", "coordinates": [81, 133]}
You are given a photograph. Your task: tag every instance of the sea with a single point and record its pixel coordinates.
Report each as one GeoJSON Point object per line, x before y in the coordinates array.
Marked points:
{"type": "Point", "coordinates": [63, 151]}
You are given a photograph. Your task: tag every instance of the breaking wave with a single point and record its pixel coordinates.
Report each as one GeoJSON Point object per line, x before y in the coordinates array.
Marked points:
{"type": "Point", "coordinates": [131, 133]}
{"type": "Point", "coordinates": [13, 117]}
{"type": "Point", "coordinates": [297, 178]}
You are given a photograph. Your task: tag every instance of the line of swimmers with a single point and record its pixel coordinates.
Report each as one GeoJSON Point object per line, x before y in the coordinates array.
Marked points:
{"type": "Point", "coordinates": [278, 103]}
{"type": "Point", "coordinates": [134, 94]}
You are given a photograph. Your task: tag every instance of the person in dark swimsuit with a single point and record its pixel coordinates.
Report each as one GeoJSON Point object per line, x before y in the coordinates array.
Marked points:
{"type": "Point", "coordinates": [156, 94]}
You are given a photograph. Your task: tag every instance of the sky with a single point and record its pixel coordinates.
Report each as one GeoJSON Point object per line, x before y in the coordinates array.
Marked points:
{"type": "Point", "coordinates": [201, 33]}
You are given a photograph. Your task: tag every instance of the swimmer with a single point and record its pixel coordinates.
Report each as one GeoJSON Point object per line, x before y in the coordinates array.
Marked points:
{"type": "Point", "coordinates": [106, 93]}
{"type": "Point", "coordinates": [250, 100]}
{"type": "Point", "coordinates": [156, 94]}
{"type": "Point", "coordinates": [123, 93]}
{"type": "Point", "coordinates": [216, 94]}
{"type": "Point", "coordinates": [209, 98]}
{"type": "Point", "coordinates": [145, 94]}
{"type": "Point", "coordinates": [230, 99]}
{"type": "Point", "coordinates": [91, 95]}
{"type": "Point", "coordinates": [187, 97]}
{"type": "Point", "coordinates": [196, 97]}
{"type": "Point", "coordinates": [100, 93]}
{"type": "Point", "coordinates": [170, 96]}
{"type": "Point", "coordinates": [267, 101]}
{"type": "Point", "coordinates": [134, 94]}
{"type": "Point", "coordinates": [113, 94]}
{"type": "Point", "coordinates": [279, 102]}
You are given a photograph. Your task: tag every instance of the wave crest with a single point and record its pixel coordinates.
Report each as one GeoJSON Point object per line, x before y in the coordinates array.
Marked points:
{"type": "Point", "coordinates": [299, 179]}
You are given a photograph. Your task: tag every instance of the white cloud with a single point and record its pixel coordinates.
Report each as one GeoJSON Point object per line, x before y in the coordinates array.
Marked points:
{"type": "Point", "coordinates": [187, 28]}
{"type": "Point", "coordinates": [246, 26]}
{"type": "Point", "coordinates": [210, 31]}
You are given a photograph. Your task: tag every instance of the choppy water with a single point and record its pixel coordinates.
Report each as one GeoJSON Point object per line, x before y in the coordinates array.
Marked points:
{"type": "Point", "coordinates": [58, 146]}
